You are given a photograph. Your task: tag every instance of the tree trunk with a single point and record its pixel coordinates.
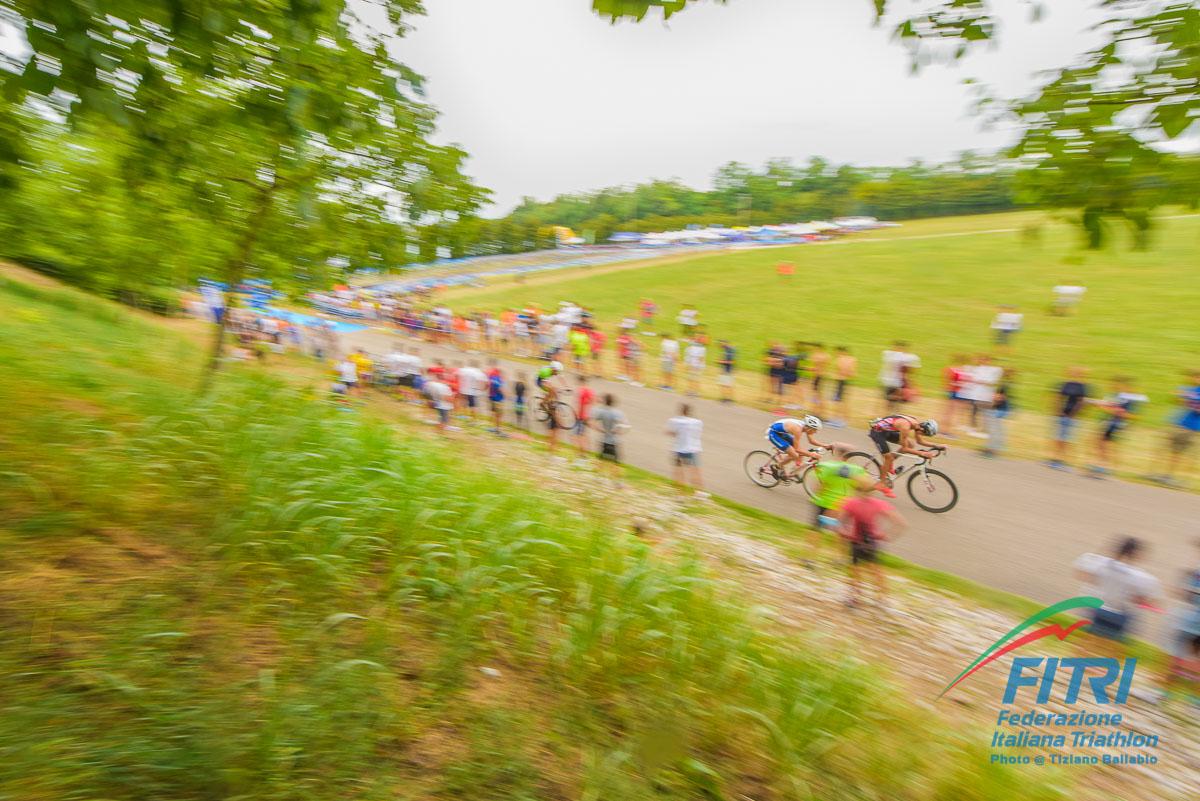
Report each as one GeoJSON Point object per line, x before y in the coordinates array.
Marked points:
{"type": "Point", "coordinates": [235, 271]}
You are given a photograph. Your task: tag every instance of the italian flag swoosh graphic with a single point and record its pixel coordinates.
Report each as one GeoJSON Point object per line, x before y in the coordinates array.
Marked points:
{"type": "Point", "coordinates": [1007, 643]}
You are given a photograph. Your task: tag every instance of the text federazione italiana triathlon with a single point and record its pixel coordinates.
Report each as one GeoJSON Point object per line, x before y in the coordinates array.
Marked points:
{"type": "Point", "coordinates": [1034, 729]}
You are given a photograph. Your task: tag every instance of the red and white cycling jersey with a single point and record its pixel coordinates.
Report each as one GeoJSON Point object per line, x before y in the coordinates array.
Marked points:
{"type": "Point", "coordinates": [889, 423]}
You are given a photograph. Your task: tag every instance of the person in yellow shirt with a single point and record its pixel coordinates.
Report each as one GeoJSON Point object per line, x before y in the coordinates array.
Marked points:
{"type": "Point", "coordinates": [365, 366]}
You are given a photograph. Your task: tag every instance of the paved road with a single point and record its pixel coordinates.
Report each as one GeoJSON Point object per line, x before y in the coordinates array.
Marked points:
{"type": "Point", "coordinates": [1018, 525]}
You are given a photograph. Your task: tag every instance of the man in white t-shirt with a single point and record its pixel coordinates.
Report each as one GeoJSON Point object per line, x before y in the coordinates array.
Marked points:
{"type": "Point", "coordinates": [1007, 323]}
{"type": "Point", "coordinates": [472, 385]}
{"type": "Point", "coordinates": [347, 372]}
{"type": "Point", "coordinates": [978, 388]}
{"type": "Point", "coordinates": [1120, 584]}
{"type": "Point", "coordinates": [686, 432]}
{"type": "Point", "coordinates": [438, 393]}
{"type": "Point", "coordinates": [559, 336]}
{"type": "Point", "coordinates": [687, 320]}
{"type": "Point", "coordinates": [1067, 297]}
{"type": "Point", "coordinates": [694, 357]}
{"type": "Point", "coordinates": [895, 374]}
{"type": "Point", "coordinates": [668, 356]}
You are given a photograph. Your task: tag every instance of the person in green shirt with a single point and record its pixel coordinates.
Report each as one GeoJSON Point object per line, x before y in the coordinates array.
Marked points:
{"type": "Point", "coordinates": [581, 348]}
{"type": "Point", "coordinates": [839, 480]}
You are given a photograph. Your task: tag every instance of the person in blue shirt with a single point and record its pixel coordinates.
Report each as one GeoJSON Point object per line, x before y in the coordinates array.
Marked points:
{"type": "Point", "coordinates": [728, 359]}
{"type": "Point", "coordinates": [1182, 438]}
{"type": "Point", "coordinates": [495, 390]}
{"type": "Point", "coordinates": [1119, 409]}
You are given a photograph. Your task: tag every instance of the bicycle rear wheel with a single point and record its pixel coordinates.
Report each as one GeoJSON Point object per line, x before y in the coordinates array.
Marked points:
{"type": "Point", "coordinates": [564, 415]}
{"type": "Point", "coordinates": [932, 490]}
{"type": "Point", "coordinates": [759, 469]}
{"type": "Point", "coordinates": [867, 462]}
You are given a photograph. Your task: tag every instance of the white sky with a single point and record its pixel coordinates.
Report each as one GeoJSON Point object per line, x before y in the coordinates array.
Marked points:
{"type": "Point", "coordinates": [549, 98]}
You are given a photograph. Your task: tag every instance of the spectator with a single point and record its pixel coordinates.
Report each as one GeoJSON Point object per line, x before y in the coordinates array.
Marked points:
{"type": "Point", "coordinates": [610, 422]}
{"type": "Point", "coordinates": [1186, 624]}
{"type": "Point", "coordinates": [495, 383]}
{"type": "Point", "coordinates": [861, 521]}
{"type": "Point", "coordinates": [694, 357]}
{"type": "Point", "coordinates": [953, 376]}
{"type": "Point", "coordinates": [1006, 324]}
{"type": "Point", "coordinates": [365, 366]}
{"type": "Point", "coordinates": [669, 355]}
{"type": "Point", "coordinates": [584, 400]}
{"type": "Point", "coordinates": [597, 339]}
{"type": "Point", "coordinates": [688, 319]}
{"type": "Point", "coordinates": [773, 365]}
{"type": "Point", "coordinates": [997, 416]}
{"type": "Point", "coordinates": [1070, 398]}
{"type": "Point", "coordinates": [440, 399]}
{"type": "Point", "coordinates": [789, 389]}
{"type": "Point", "coordinates": [1066, 298]}
{"type": "Point", "coordinates": [1120, 584]}
{"type": "Point", "coordinates": [728, 362]}
{"type": "Point", "coordinates": [687, 432]}
{"type": "Point", "coordinates": [624, 341]}
{"type": "Point", "coordinates": [895, 374]}
{"type": "Point", "coordinates": [979, 390]}
{"type": "Point", "coordinates": [1182, 438]}
{"type": "Point", "coordinates": [819, 361]}
{"type": "Point", "coordinates": [648, 310]}
{"type": "Point", "coordinates": [845, 369]}
{"type": "Point", "coordinates": [581, 349]}
{"type": "Point", "coordinates": [1118, 408]}
{"type": "Point", "coordinates": [472, 384]}
{"type": "Point", "coordinates": [519, 390]}
{"type": "Point", "coordinates": [347, 373]}
{"type": "Point", "coordinates": [838, 480]}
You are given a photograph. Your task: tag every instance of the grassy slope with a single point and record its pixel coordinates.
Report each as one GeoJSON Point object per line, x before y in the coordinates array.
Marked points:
{"type": "Point", "coordinates": [259, 595]}
{"type": "Point", "coordinates": [939, 294]}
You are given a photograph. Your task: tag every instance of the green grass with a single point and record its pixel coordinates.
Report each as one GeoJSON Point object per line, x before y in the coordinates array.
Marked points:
{"type": "Point", "coordinates": [938, 294]}
{"type": "Point", "coordinates": [258, 595]}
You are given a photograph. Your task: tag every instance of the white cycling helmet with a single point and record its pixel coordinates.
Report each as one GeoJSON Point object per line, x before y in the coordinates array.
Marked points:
{"type": "Point", "coordinates": [813, 422]}
{"type": "Point", "coordinates": [556, 367]}
{"type": "Point", "coordinates": [929, 428]}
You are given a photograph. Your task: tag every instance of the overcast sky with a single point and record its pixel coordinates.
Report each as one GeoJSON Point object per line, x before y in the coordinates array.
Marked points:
{"type": "Point", "coordinates": [549, 98]}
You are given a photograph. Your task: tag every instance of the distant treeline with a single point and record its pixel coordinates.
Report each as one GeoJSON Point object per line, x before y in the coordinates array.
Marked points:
{"type": "Point", "coordinates": [781, 191]}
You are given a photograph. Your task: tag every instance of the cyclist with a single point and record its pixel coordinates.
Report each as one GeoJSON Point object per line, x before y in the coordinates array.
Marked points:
{"type": "Point", "coordinates": [909, 433]}
{"type": "Point", "coordinates": [785, 435]}
{"type": "Point", "coordinates": [546, 383]}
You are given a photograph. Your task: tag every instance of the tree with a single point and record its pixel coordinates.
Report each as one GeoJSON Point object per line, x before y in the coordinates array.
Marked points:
{"type": "Point", "coordinates": [1139, 88]}
{"type": "Point", "coordinates": [306, 124]}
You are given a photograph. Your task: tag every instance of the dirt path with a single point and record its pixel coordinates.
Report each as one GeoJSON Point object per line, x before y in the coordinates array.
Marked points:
{"type": "Point", "coordinates": [1018, 525]}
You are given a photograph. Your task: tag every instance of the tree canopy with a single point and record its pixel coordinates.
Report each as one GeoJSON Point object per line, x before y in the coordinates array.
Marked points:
{"type": "Point", "coordinates": [1098, 118]}
{"type": "Point", "coordinates": [212, 137]}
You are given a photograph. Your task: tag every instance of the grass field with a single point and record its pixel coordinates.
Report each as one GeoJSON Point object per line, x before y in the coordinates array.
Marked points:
{"type": "Point", "coordinates": [256, 594]}
{"type": "Point", "coordinates": [936, 284]}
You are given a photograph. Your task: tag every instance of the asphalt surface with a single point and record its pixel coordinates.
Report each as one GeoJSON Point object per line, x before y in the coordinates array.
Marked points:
{"type": "Point", "coordinates": [1018, 525]}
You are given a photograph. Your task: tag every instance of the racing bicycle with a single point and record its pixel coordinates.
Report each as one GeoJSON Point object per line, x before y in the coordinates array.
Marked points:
{"type": "Point", "coordinates": [930, 489]}
{"type": "Point", "coordinates": [764, 469]}
{"type": "Point", "coordinates": [564, 415]}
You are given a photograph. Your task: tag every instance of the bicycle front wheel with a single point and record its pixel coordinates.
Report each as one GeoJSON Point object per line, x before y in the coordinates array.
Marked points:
{"type": "Point", "coordinates": [932, 490]}
{"type": "Point", "coordinates": [810, 481]}
{"type": "Point", "coordinates": [759, 467]}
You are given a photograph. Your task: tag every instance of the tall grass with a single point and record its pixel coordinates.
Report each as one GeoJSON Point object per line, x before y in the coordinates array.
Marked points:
{"type": "Point", "coordinates": [257, 595]}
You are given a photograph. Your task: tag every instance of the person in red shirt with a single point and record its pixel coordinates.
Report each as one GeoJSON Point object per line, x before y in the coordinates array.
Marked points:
{"type": "Point", "coordinates": [864, 522]}
{"type": "Point", "coordinates": [953, 376]}
{"type": "Point", "coordinates": [585, 398]}
{"type": "Point", "coordinates": [598, 340]}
